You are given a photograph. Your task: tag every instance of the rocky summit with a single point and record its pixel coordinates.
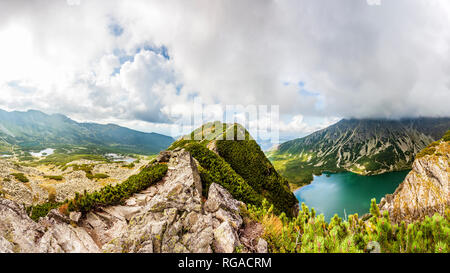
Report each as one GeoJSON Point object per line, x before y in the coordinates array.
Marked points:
{"type": "Point", "coordinates": [170, 216]}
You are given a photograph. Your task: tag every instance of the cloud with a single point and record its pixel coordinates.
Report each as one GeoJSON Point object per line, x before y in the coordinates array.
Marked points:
{"type": "Point", "coordinates": [128, 62]}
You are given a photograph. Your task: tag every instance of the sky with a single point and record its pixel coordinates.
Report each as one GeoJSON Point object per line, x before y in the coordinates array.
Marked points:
{"type": "Point", "coordinates": [141, 64]}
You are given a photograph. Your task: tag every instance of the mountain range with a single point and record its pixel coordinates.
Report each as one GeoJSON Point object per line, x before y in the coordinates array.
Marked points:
{"type": "Point", "coordinates": [363, 146]}
{"type": "Point", "coordinates": [33, 130]}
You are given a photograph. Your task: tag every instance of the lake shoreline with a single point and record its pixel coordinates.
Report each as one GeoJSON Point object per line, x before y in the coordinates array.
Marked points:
{"type": "Point", "coordinates": [294, 187]}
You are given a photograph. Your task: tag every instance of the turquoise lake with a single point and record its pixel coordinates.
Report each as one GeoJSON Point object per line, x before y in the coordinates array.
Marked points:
{"type": "Point", "coordinates": [347, 193]}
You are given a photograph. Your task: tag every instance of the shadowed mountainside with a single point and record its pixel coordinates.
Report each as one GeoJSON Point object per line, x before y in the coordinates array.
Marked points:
{"type": "Point", "coordinates": [37, 130]}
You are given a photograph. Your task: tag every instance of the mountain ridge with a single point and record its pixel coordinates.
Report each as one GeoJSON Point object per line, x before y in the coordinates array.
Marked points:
{"type": "Point", "coordinates": [363, 146]}
{"type": "Point", "coordinates": [238, 165]}
{"type": "Point", "coordinates": [34, 129]}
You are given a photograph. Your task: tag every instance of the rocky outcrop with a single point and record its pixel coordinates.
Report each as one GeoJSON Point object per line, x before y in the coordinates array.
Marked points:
{"type": "Point", "coordinates": [54, 233]}
{"type": "Point", "coordinates": [171, 216]}
{"type": "Point", "coordinates": [425, 189]}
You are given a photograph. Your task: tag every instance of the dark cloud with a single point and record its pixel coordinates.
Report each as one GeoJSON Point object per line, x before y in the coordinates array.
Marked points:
{"type": "Point", "coordinates": [354, 59]}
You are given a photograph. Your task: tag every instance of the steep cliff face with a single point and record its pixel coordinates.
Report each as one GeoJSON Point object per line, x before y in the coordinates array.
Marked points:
{"type": "Point", "coordinates": [425, 190]}
{"type": "Point", "coordinates": [170, 216]}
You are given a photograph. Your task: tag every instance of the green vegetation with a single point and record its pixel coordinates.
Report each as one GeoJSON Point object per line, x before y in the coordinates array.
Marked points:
{"type": "Point", "coordinates": [248, 160]}
{"type": "Point", "coordinates": [114, 195]}
{"type": "Point", "coordinates": [20, 177]}
{"type": "Point", "coordinates": [100, 176]}
{"type": "Point", "coordinates": [109, 195]}
{"type": "Point", "coordinates": [446, 137]}
{"type": "Point", "coordinates": [54, 177]}
{"type": "Point", "coordinates": [431, 148]}
{"type": "Point", "coordinates": [87, 168]}
{"type": "Point", "coordinates": [129, 166]}
{"type": "Point", "coordinates": [240, 166]}
{"type": "Point", "coordinates": [216, 169]}
{"type": "Point", "coordinates": [38, 211]}
{"type": "Point", "coordinates": [64, 159]}
{"type": "Point", "coordinates": [311, 233]}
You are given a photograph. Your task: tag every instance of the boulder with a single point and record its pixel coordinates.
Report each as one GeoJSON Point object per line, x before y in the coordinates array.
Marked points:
{"type": "Point", "coordinates": [225, 238]}
{"type": "Point", "coordinates": [261, 246]}
{"type": "Point", "coordinates": [219, 197]}
{"type": "Point", "coordinates": [75, 216]}
{"type": "Point", "coordinates": [164, 156]}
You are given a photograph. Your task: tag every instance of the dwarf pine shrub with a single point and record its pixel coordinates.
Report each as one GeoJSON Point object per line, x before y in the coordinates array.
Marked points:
{"type": "Point", "coordinates": [310, 233]}
{"type": "Point", "coordinates": [106, 196]}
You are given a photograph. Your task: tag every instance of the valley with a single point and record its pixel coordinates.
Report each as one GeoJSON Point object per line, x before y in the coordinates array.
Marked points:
{"type": "Point", "coordinates": [207, 194]}
{"type": "Point", "coordinates": [366, 147]}
{"type": "Point", "coordinates": [57, 177]}
{"type": "Point", "coordinates": [33, 131]}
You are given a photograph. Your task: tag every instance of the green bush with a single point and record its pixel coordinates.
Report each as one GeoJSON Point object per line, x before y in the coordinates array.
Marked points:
{"type": "Point", "coordinates": [240, 166]}
{"type": "Point", "coordinates": [100, 176]}
{"type": "Point", "coordinates": [109, 195]}
{"type": "Point", "coordinates": [310, 233]}
{"type": "Point", "coordinates": [54, 177]}
{"type": "Point", "coordinates": [114, 195]}
{"type": "Point", "coordinates": [20, 177]}
{"type": "Point", "coordinates": [446, 136]}
{"type": "Point", "coordinates": [87, 168]}
{"type": "Point", "coordinates": [38, 211]}
{"type": "Point", "coordinates": [216, 169]}
{"type": "Point", "coordinates": [129, 166]}
{"type": "Point", "coordinates": [248, 160]}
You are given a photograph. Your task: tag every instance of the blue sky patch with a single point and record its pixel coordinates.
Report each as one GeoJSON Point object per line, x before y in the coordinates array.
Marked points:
{"type": "Point", "coordinates": [19, 87]}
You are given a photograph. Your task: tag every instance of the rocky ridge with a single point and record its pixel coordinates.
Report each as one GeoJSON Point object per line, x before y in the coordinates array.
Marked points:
{"type": "Point", "coordinates": [425, 189]}
{"type": "Point", "coordinates": [170, 216]}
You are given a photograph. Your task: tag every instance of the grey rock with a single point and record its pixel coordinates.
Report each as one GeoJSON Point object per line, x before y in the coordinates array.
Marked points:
{"type": "Point", "coordinates": [6, 246]}
{"type": "Point", "coordinates": [425, 189]}
{"type": "Point", "coordinates": [219, 197]}
{"type": "Point", "coordinates": [261, 246]}
{"type": "Point", "coordinates": [164, 156]}
{"type": "Point", "coordinates": [51, 234]}
{"type": "Point", "coordinates": [225, 238]}
{"type": "Point", "coordinates": [226, 216]}
{"type": "Point", "coordinates": [75, 216]}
